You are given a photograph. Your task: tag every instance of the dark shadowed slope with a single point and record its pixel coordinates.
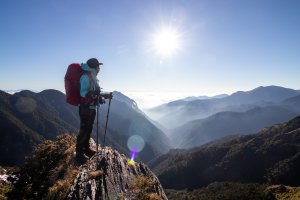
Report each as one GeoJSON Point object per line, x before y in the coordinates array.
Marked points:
{"type": "Point", "coordinates": [28, 118]}
{"type": "Point", "coordinates": [270, 156]}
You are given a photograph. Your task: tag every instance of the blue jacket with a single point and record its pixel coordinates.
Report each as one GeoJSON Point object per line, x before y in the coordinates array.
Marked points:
{"type": "Point", "coordinates": [85, 84]}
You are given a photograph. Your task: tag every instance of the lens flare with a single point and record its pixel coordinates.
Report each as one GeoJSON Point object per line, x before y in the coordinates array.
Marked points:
{"type": "Point", "coordinates": [131, 162]}
{"type": "Point", "coordinates": [26, 105]}
{"type": "Point", "coordinates": [136, 142]}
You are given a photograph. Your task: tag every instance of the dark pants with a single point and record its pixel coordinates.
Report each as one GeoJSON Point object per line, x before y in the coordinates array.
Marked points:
{"type": "Point", "coordinates": [87, 117]}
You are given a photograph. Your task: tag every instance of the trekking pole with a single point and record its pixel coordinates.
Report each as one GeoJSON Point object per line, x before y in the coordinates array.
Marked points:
{"type": "Point", "coordinates": [97, 128]}
{"type": "Point", "coordinates": [106, 121]}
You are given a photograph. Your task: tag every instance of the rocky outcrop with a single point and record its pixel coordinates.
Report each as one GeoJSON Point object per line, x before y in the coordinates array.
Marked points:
{"type": "Point", "coordinates": [51, 172]}
{"type": "Point", "coordinates": [108, 176]}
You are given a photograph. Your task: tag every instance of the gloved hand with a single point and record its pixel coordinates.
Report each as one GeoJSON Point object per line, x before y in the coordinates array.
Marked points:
{"type": "Point", "coordinates": [97, 91]}
{"type": "Point", "coordinates": [107, 95]}
{"type": "Point", "coordinates": [101, 100]}
{"type": "Point", "coordinates": [92, 95]}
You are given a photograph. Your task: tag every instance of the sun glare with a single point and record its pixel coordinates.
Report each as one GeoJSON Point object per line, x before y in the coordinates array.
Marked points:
{"type": "Point", "coordinates": [166, 42]}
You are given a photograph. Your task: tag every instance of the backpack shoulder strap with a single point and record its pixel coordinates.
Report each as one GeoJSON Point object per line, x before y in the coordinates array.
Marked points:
{"type": "Point", "coordinates": [89, 75]}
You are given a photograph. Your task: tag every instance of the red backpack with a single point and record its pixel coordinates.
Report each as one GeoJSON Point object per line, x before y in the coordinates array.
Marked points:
{"type": "Point", "coordinates": [72, 84]}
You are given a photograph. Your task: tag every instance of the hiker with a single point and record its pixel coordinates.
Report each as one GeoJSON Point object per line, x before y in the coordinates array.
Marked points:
{"type": "Point", "coordinates": [90, 98]}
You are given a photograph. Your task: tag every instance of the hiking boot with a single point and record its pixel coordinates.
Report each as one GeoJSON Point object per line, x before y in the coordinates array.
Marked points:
{"type": "Point", "coordinates": [89, 152]}
{"type": "Point", "coordinates": [81, 158]}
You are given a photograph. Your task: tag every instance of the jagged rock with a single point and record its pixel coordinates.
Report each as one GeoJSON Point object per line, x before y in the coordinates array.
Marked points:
{"type": "Point", "coordinates": [108, 176]}
{"type": "Point", "coordinates": [52, 172]}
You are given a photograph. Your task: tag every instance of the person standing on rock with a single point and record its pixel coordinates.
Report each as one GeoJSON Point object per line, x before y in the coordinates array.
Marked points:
{"type": "Point", "coordinates": [90, 98]}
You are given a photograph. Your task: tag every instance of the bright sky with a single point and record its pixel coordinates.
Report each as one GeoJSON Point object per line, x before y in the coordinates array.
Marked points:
{"type": "Point", "coordinates": [207, 47]}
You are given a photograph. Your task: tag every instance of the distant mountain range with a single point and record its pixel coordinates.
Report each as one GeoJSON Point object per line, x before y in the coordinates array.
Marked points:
{"type": "Point", "coordinates": [28, 118]}
{"type": "Point", "coordinates": [199, 132]}
{"type": "Point", "coordinates": [193, 98]}
{"type": "Point", "coordinates": [270, 156]}
{"type": "Point", "coordinates": [196, 122]}
{"type": "Point", "coordinates": [179, 112]}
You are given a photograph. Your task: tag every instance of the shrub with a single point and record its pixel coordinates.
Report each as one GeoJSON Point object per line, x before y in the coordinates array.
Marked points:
{"type": "Point", "coordinates": [143, 188]}
{"type": "Point", "coordinates": [49, 172]}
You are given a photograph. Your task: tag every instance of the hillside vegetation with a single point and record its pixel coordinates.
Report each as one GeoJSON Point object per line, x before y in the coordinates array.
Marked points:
{"type": "Point", "coordinates": [237, 191]}
{"type": "Point", "coordinates": [270, 156]}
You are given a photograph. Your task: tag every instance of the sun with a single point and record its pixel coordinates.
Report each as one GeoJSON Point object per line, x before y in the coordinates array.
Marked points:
{"type": "Point", "coordinates": [166, 42]}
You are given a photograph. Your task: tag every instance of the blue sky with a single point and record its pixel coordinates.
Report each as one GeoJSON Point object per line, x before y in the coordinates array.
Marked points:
{"type": "Point", "coordinates": [223, 45]}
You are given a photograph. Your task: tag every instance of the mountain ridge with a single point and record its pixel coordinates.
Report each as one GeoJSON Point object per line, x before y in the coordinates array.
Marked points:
{"type": "Point", "coordinates": [198, 132]}
{"type": "Point", "coordinates": [270, 156]}
{"type": "Point", "coordinates": [48, 115]}
{"type": "Point", "coordinates": [176, 113]}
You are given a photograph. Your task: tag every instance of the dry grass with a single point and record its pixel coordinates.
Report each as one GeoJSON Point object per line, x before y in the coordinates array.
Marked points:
{"type": "Point", "coordinates": [282, 192]}
{"type": "Point", "coordinates": [4, 188]}
{"type": "Point", "coordinates": [95, 174]}
{"type": "Point", "coordinates": [143, 188]}
{"type": "Point", "coordinates": [63, 176]}
{"type": "Point", "coordinates": [49, 172]}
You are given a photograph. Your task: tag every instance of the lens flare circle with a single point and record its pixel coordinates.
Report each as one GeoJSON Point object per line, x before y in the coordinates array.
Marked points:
{"type": "Point", "coordinates": [26, 105]}
{"type": "Point", "coordinates": [136, 143]}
